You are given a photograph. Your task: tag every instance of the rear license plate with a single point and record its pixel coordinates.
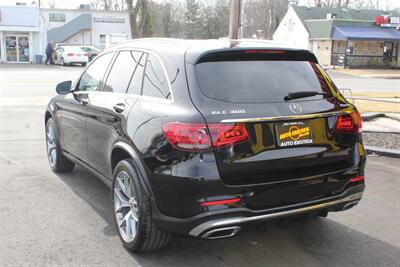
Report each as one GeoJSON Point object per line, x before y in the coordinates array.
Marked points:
{"type": "Point", "coordinates": [293, 133]}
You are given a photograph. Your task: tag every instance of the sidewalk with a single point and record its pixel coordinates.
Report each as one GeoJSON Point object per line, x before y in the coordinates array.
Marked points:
{"type": "Point", "coordinates": [382, 125]}
{"type": "Point", "coordinates": [371, 73]}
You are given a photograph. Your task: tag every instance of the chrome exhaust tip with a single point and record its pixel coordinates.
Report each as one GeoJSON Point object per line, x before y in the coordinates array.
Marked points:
{"type": "Point", "coordinates": [350, 205]}
{"type": "Point", "coordinates": [222, 232]}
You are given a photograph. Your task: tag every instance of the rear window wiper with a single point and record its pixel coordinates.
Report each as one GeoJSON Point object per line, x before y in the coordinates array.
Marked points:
{"type": "Point", "coordinates": [302, 94]}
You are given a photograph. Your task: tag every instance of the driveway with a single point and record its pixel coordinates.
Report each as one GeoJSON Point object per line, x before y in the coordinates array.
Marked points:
{"type": "Point", "coordinates": [66, 220]}
{"type": "Point", "coordinates": [364, 84]}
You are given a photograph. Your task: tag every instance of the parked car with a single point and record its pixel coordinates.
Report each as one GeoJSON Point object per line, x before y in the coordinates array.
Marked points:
{"type": "Point", "coordinates": [91, 51]}
{"type": "Point", "coordinates": [68, 55]}
{"type": "Point", "coordinates": [201, 138]}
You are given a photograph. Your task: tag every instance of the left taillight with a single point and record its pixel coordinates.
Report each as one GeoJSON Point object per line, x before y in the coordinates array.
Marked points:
{"type": "Point", "coordinates": [70, 54]}
{"type": "Point", "coordinates": [197, 136]}
{"type": "Point", "coordinates": [349, 123]}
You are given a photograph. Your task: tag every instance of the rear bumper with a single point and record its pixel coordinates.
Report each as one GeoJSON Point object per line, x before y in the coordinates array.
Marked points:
{"type": "Point", "coordinates": [204, 229]}
{"type": "Point", "coordinates": [225, 223]}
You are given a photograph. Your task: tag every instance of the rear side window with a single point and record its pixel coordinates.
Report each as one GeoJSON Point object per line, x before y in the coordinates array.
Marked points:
{"type": "Point", "coordinates": [135, 85]}
{"type": "Point", "coordinates": [121, 72]}
{"type": "Point", "coordinates": [154, 81]}
{"type": "Point", "coordinates": [258, 81]}
{"type": "Point", "coordinates": [92, 77]}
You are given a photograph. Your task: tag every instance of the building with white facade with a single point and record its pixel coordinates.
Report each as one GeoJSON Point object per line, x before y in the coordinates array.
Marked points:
{"type": "Point", "coordinates": [343, 37]}
{"type": "Point", "coordinates": [20, 33]}
{"type": "Point", "coordinates": [26, 30]}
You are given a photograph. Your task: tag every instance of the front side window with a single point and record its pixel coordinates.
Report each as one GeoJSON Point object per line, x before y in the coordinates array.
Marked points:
{"type": "Point", "coordinates": [56, 17]}
{"type": "Point", "coordinates": [121, 72]}
{"type": "Point", "coordinates": [155, 82]}
{"type": "Point", "coordinates": [92, 77]}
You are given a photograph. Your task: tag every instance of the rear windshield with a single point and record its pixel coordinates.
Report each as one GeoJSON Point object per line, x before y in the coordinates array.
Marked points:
{"type": "Point", "coordinates": [258, 81]}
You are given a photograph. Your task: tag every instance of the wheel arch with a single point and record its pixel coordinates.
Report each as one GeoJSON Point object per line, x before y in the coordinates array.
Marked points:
{"type": "Point", "coordinates": [121, 151]}
{"type": "Point", "coordinates": [47, 116]}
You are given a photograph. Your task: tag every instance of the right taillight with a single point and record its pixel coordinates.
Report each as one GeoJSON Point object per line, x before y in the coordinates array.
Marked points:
{"type": "Point", "coordinates": [349, 123]}
{"type": "Point", "coordinates": [357, 179]}
{"type": "Point", "coordinates": [197, 136]}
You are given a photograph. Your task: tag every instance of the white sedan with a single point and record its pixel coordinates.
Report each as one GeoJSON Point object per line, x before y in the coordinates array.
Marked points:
{"type": "Point", "coordinates": [68, 55]}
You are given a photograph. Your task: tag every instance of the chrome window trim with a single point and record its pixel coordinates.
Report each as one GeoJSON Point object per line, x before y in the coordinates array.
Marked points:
{"type": "Point", "coordinates": [164, 71]}
{"type": "Point", "coordinates": [292, 117]}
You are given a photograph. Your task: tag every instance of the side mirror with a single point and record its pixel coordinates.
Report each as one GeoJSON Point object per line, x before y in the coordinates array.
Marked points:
{"type": "Point", "coordinates": [64, 87]}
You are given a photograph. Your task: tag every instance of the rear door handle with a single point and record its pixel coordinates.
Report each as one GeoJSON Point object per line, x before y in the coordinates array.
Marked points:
{"type": "Point", "coordinates": [119, 108]}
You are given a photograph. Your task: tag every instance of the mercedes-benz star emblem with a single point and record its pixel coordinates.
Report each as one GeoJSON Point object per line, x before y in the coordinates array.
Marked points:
{"type": "Point", "coordinates": [295, 108]}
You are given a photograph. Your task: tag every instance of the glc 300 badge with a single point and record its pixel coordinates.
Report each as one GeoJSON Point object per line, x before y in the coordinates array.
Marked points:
{"type": "Point", "coordinates": [295, 108]}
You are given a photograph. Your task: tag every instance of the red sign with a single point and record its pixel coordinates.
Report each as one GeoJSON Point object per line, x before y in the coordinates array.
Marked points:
{"type": "Point", "coordinates": [387, 21]}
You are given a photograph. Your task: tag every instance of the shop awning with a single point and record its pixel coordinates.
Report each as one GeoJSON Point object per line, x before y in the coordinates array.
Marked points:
{"type": "Point", "coordinates": [365, 33]}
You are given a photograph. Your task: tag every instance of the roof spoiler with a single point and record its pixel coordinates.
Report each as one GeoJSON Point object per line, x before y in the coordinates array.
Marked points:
{"type": "Point", "coordinates": [249, 54]}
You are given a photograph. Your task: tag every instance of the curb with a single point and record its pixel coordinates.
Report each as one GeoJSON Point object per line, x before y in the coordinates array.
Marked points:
{"type": "Point", "coordinates": [390, 116]}
{"type": "Point", "coordinates": [383, 132]}
{"type": "Point", "coordinates": [392, 77]}
{"type": "Point", "coordinates": [394, 153]}
{"type": "Point", "coordinates": [369, 116]}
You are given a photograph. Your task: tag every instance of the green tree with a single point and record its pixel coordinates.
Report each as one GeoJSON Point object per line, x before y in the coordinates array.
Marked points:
{"type": "Point", "coordinates": [193, 19]}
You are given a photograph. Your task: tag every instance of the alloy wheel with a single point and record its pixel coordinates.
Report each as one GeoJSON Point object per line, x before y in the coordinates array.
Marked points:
{"type": "Point", "coordinates": [126, 207]}
{"type": "Point", "coordinates": [51, 145]}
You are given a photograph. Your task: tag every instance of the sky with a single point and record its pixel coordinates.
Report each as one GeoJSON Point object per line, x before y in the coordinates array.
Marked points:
{"type": "Point", "coordinates": [385, 4]}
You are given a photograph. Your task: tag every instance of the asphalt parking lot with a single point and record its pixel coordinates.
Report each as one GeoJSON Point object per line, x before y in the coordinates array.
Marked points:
{"type": "Point", "coordinates": [49, 219]}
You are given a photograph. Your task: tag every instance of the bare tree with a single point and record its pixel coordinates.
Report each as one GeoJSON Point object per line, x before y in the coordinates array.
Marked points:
{"type": "Point", "coordinates": [117, 5]}
{"type": "Point", "coordinates": [139, 18]}
{"type": "Point", "coordinates": [262, 17]}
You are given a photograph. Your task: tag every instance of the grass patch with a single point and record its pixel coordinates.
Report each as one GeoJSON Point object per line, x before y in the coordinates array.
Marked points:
{"type": "Point", "coordinates": [372, 106]}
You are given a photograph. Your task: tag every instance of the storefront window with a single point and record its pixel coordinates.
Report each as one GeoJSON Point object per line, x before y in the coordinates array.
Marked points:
{"type": "Point", "coordinates": [23, 48]}
{"type": "Point", "coordinates": [388, 51]}
{"type": "Point", "coordinates": [11, 48]}
{"type": "Point", "coordinates": [17, 48]}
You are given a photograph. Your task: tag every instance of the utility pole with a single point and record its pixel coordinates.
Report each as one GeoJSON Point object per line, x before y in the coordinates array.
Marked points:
{"type": "Point", "coordinates": [234, 19]}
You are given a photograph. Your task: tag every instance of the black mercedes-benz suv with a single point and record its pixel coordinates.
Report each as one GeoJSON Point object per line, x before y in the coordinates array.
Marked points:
{"type": "Point", "coordinates": [201, 138]}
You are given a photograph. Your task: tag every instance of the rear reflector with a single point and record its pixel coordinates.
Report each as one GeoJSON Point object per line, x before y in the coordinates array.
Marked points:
{"type": "Point", "coordinates": [349, 123]}
{"type": "Point", "coordinates": [197, 136]}
{"type": "Point", "coordinates": [357, 179]}
{"type": "Point", "coordinates": [220, 202]}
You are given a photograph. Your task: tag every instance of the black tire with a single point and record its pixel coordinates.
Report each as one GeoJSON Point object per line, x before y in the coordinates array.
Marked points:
{"type": "Point", "coordinates": [61, 163]}
{"type": "Point", "coordinates": [83, 64]}
{"type": "Point", "coordinates": [148, 236]}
